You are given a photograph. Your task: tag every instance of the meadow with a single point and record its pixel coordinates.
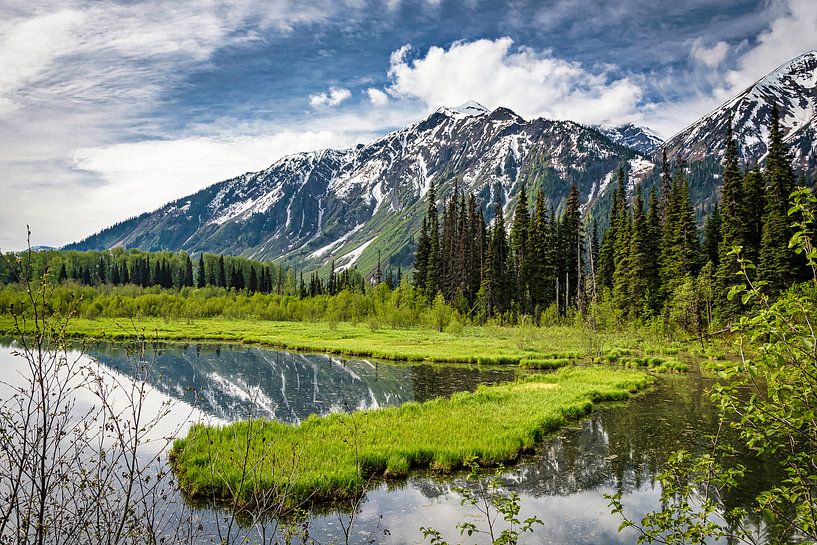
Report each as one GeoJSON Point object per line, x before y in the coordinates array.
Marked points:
{"type": "Point", "coordinates": [333, 457]}
{"type": "Point", "coordinates": [533, 347]}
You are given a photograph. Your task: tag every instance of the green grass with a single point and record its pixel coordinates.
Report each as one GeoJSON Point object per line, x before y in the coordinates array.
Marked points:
{"type": "Point", "coordinates": [331, 457]}
{"type": "Point", "coordinates": [473, 344]}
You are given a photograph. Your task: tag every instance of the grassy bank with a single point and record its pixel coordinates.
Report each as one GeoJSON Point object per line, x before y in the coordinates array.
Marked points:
{"type": "Point", "coordinates": [331, 457]}
{"type": "Point", "coordinates": [467, 344]}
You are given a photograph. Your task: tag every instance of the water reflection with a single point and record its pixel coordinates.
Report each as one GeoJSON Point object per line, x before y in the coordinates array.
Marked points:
{"type": "Point", "coordinates": [234, 382]}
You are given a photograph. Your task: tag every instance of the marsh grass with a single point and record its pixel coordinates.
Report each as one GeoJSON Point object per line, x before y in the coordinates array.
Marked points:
{"type": "Point", "coordinates": [339, 452]}
{"type": "Point", "coordinates": [488, 344]}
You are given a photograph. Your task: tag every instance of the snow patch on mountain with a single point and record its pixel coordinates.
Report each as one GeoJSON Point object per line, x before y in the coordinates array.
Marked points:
{"type": "Point", "coordinates": [351, 258]}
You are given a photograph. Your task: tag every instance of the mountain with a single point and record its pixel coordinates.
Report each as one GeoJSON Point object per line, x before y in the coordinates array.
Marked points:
{"type": "Point", "coordinates": [792, 87]}
{"type": "Point", "coordinates": [349, 206]}
{"type": "Point", "coordinates": [309, 209]}
{"type": "Point", "coordinates": [640, 139]}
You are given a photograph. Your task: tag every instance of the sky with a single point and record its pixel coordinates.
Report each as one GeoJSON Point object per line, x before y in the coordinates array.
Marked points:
{"type": "Point", "coordinates": [113, 108]}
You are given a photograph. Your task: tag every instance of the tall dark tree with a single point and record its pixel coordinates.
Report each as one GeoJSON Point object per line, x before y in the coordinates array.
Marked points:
{"type": "Point", "coordinates": [713, 236]}
{"type": "Point", "coordinates": [754, 204]}
{"type": "Point", "coordinates": [201, 276]}
{"type": "Point", "coordinates": [573, 244]}
{"type": "Point", "coordinates": [776, 262]}
{"type": "Point", "coordinates": [519, 247]}
{"type": "Point", "coordinates": [666, 186]}
{"type": "Point", "coordinates": [607, 259]}
{"type": "Point", "coordinates": [732, 225]}
{"type": "Point", "coordinates": [497, 262]}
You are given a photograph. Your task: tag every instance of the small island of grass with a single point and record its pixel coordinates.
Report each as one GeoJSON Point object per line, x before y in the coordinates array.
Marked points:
{"type": "Point", "coordinates": [331, 457]}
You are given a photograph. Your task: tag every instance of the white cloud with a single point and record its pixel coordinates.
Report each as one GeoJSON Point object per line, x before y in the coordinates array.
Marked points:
{"type": "Point", "coordinates": [533, 83]}
{"type": "Point", "coordinates": [377, 97]}
{"type": "Point", "coordinates": [789, 35]}
{"type": "Point", "coordinates": [709, 56]}
{"type": "Point", "coordinates": [335, 96]}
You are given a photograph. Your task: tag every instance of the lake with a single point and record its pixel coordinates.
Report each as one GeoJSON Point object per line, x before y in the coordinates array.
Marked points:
{"type": "Point", "coordinates": [620, 448]}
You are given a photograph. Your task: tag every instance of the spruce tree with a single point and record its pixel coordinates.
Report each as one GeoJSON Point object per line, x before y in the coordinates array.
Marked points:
{"type": "Point", "coordinates": [754, 204]}
{"type": "Point", "coordinates": [519, 248]}
{"type": "Point", "coordinates": [712, 237]}
{"type": "Point", "coordinates": [666, 186]}
{"type": "Point", "coordinates": [732, 225]}
{"type": "Point", "coordinates": [201, 276]}
{"type": "Point", "coordinates": [222, 273]}
{"type": "Point", "coordinates": [573, 246]}
{"type": "Point", "coordinates": [680, 235]}
{"type": "Point", "coordinates": [606, 266]}
{"type": "Point", "coordinates": [638, 259]}
{"type": "Point", "coordinates": [776, 262]}
{"type": "Point", "coordinates": [537, 251]}
{"type": "Point", "coordinates": [495, 276]}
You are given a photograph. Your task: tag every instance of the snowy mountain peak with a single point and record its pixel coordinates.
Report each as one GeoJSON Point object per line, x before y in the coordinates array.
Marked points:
{"type": "Point", "coordinates": [468, 109]}
{"type": "Point", "coordinates": [632, 136]}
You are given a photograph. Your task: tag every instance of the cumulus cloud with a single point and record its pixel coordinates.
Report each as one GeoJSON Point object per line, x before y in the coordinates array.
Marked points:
{"type": "Point", "coordinates": [377, 97]}
{"type": "Point", "coordinates": [709, 56]}
{"type": "Point", "coordinates": [531, 82]}
{"type": "Point", "coordinates": [335, 96]}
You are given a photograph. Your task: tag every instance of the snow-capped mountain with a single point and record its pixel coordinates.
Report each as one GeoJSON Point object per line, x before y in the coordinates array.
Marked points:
{"type": "Point", "coordinates": [311, 208]}
{"type": "Point", "coordinates": [792, 87]}
{"type": "Point", "coordinates": [640, 139]}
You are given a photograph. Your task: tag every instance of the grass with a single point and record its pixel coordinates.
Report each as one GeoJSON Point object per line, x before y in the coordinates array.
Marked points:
{"type": "Point", "coordinates": [331, 457]}
{"type": "Point", "coordinates": [478, 344]}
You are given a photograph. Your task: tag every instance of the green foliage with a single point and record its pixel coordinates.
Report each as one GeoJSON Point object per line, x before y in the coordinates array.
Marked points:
{"type": "Point", "coordinates": [769, 398]}
{"type": "Point", "coordinates": [491, 501]}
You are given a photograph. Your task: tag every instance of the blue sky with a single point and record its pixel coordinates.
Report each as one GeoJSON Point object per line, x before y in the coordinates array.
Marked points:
{"type": "Point", "coordinates": [108, 109]}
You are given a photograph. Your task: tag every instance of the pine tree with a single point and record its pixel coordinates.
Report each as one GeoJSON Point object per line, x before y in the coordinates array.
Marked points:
{"type": "Point", "coordinates": [666, 186]}
{"type": "Point", "coordinates": [432, 283]}
{"type": "Point", "coordinates": [713, 236]}
{"type": "Point", "coordinates": [222, 273]}
{"type": "Point", "coordinates": [252, 283]}
{"type": "Point", "coordinates": [537, 254]}
{"type": "Point", "coordinates": [495, 276]}
{"type": "Point", "coordinates": [776, 262]}
{"type": "Point", "coordinates": [606, 266]}
{"type": "Point", "coordinates": [732, 225]}
{"type": "Point", "coordinates": [653, 244]}
{"type": "Point", "coordinates": [680, 235]}
{"type": "Point", "coordinates": [519, 247]}
{"type": "Point", "coordinates": [573, 247]}
{"type": "Point", "coordinates": [201, 275]}
{"type": "Point", "coordinates": [63, 274]}
{"type": "Point", "coordinates": [621, 271]}
{"type": "Point", "coordinates": [754, 203]}
{"type": "Point", "coordinates": [638, 259]}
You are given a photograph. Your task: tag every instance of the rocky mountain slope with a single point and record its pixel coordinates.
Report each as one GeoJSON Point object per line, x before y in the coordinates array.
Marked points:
{"type": "Point", "coordinates": [309, 209]}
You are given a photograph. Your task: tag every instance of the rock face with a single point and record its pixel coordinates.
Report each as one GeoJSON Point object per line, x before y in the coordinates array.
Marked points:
{"type": "Point", "coordinates": [348, 206]}
{"type": "Point", "coordinates": [311, 208]}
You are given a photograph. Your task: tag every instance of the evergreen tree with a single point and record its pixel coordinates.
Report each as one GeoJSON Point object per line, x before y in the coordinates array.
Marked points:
{"type": "Point", "coordinates": [432, 282]}
{"type": "Point", "coordinates": [252, 283]}
{"type": "Point", "coordinates": [776, 262]}
{"type": "Point", "coordinates": [102, 277]}
{"type": "Point", "coordinates": [713, 237]}
{"type": "Point", "coordinates": [201, 276]}
{"type": "Point", "coordinates": [63, 274]}
{"type": "Point", "coordinates": [680, 235]}
{"type": "Point", "coordinates": [519, 247]}
{"type": "Point", "coordinates": [573, 247]}
{"type": "Point", "coordinates": [537, 249]}
{"type": "Point", "coordinates": [666, 186]}
{"type": "Point", "coordinates": [754, 204]}
{"type": "Point", "coordinates": [639, 291]}
{"type": "Point", "coordinates": [222, 273]}
{"type": "Point", "coordinates": [607, 261]}
{"type": "Point", "coordinates": [495, 276]}
{"type": "Point", "coordinates": [653, 245]}
{"type": "Point", "coordinates": [732, 224]}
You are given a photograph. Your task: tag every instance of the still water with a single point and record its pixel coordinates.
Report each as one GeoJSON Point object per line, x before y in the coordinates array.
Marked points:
{"type": "Point", "coordinates": [618, 449]}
